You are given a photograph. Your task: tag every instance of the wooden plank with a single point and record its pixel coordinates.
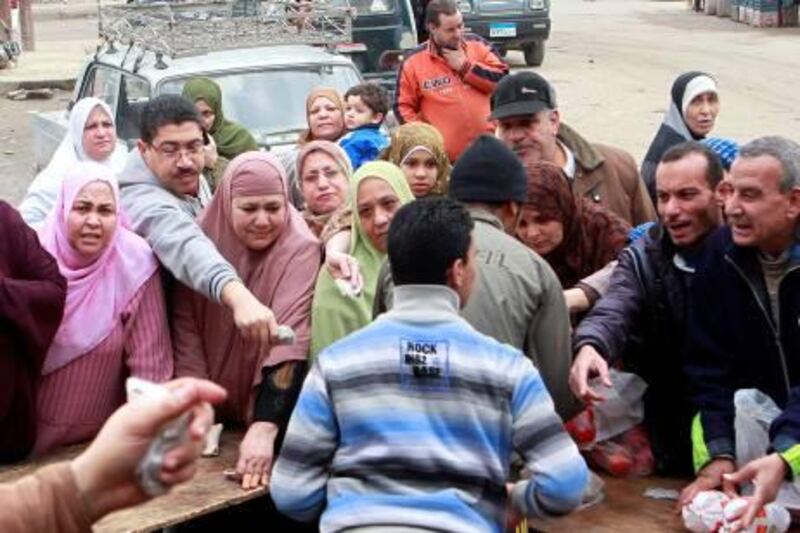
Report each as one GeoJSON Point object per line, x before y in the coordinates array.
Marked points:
{"type": "Point", "coordinates": [625, 509]}
{"type": "Point", "coordinates": [207, 492]}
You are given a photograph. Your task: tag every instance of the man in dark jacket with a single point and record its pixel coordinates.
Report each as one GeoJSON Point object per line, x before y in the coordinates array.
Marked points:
{"type": "Point", "coordinates": [744, 320]}
{"type": "Point", "coordinates": [529, 122]}
{"type": "Point", "coordinates": [641, 319]}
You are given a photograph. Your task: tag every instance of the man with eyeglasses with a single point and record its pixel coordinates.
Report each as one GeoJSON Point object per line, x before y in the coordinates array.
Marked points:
{"type": "Point", "coordinates": [163, 191]}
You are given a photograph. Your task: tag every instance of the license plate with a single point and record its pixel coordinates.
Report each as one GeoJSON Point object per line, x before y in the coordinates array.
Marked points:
{"type": "Point", "coordinates": [503, 29]}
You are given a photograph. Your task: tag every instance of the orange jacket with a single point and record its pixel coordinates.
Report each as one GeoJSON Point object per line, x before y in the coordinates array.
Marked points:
{"type": "Point", "coordinates": [455, 103]}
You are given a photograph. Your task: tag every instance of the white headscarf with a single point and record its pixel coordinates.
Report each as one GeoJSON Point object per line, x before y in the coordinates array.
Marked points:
{"type": "Point", "coordinates": [42, 192]}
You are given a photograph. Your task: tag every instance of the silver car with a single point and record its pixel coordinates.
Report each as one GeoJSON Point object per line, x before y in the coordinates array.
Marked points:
{"type": "Point", "coordinates": [263, 88]}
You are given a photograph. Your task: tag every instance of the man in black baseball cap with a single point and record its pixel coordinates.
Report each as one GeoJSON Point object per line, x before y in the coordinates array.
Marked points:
{"type": "Point", "coordinates": [524, 106]}
{"type": "Point", "coordinates": [525, 93]}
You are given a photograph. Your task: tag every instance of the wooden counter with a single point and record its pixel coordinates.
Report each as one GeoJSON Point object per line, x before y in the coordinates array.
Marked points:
{"type": "Point", "coordinates": [624, 509]}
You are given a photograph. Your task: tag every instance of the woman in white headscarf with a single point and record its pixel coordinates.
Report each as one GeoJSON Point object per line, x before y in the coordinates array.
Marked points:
{"type": "Point", "coordinates": [693, 109]}
{"type": "Point", "coordinates": [91, 136]}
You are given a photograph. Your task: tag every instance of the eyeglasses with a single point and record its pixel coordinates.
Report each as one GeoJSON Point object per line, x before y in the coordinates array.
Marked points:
{"type": "Point", "coordinates": [172, 150]}
{"type": "Point", "coordinates": [328, 173]}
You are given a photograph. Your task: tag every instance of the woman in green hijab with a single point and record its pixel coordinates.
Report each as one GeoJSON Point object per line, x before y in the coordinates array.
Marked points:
{"type": "Point", "coordinates": [378, 190]}
{"type": "Point", "coordinates": [230, 138]}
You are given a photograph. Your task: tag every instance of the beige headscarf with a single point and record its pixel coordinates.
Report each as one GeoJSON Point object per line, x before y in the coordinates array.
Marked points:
{"type": "Point", "coordinates": [419, 135]}
{"type": "Point", "coordinates": [325, 92]}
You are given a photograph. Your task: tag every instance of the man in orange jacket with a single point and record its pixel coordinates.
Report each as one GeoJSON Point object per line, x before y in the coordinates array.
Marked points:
{"type": "Point", "coordinates": [447, 81]}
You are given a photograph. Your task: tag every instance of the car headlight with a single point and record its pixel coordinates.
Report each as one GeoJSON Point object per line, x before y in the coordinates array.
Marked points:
{"type": "Point", "coordinates": [407, 40]}
{"type": "Point", "coordinates": [465, 7]}
{"type": "Point", "coordinates": [537, 4]}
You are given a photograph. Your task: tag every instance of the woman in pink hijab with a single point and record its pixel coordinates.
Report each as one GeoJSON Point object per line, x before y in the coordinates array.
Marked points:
{"type": "Point", "coordinates": [257, 229]}
{"type": "Point", "coordinates": [114, 321]}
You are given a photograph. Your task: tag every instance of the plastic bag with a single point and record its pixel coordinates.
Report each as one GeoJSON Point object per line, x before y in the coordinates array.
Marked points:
{"type": "Point", "coordinates": [623, 406]}
{"type": "Point", "coordinates": [712, 511]}
{"type": "Point", "coordinates": [755, 412]}
{"type": "Point", "coordinates": [582, 430]}
{"type": "Point", "coordinates": [628, 454]}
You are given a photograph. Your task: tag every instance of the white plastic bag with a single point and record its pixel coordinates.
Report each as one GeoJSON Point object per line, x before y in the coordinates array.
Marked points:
{"type": "Point", "coordinates": [755, 412]}
{"type": "Point", "coordinates": [623, 407]}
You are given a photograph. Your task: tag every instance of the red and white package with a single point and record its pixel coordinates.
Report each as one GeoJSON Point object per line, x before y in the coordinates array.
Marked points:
{"type": "Point", "coordinates": [772, 518]}
{"type": "Point", "coordinates": [706, 512]}
{"type": "Point", "coordinates": [713, 512]}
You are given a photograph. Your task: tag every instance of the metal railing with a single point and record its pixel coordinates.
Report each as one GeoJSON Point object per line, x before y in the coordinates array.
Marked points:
{"type": "Point", "coordinates": [178, 29]}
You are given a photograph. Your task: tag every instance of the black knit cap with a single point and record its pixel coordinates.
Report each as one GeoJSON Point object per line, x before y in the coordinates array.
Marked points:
{"type": "Point", "coordinates": [487, 171]}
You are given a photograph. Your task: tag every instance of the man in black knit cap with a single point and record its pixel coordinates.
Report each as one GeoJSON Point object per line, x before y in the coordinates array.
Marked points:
{"type": "Point", "coordinates": [517, 297]}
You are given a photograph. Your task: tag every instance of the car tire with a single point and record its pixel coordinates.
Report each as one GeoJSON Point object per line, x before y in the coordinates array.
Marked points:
{"type": "Point", "coordinates": [534, 53]}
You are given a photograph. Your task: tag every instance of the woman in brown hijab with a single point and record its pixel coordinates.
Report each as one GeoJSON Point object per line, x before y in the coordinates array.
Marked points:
{"type": "Point", "coordinates": [32, 294]}
{"type": "Point", "coordinates": [256, 229]}
{"type": "Point", "coordinates": [576, 237]}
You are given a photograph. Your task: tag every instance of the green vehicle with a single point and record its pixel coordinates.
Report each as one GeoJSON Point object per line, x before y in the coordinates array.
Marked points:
{"type": "Point", "coordinates": [510, 25]}
{"type": "Point", "coordinates": [382, 30]}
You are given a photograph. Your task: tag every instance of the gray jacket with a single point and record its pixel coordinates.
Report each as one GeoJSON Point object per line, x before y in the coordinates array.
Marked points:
{"type": "Point", "coordinates": [167, 223]}
{"type": "Point", "coordinates": [517, 300]}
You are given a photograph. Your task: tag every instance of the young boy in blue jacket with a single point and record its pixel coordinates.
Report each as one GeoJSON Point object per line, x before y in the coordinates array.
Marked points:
{"type": "Point", "coordinates": [365, 107]}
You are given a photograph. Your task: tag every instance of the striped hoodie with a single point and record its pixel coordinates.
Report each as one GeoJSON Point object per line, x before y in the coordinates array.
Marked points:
{"type": "Point", "coordinates": [412, 421]}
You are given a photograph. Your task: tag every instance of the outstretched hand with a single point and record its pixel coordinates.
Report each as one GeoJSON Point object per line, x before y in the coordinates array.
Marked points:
{"type": "Point", "coordinates": [588, 364]}
{"type": "Point", "coordinates": [106, 472]}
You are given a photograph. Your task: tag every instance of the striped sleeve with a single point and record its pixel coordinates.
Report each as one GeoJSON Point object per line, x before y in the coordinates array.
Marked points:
{"type": "Point", "coordinates": [301, 472]}
{"type": "Point", "coordinates": [148, 348]}
{"type": "Point", "coordinates": [486, 68]}
{"type": "Point", "coordinates": [559, 473]}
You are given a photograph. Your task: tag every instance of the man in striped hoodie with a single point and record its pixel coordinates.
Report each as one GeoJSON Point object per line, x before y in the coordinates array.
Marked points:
{"type": "Point", "coordinates": [410, 422]}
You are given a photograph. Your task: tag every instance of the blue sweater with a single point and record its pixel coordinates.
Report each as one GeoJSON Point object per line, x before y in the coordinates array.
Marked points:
{"type": "Point", "coordinates": [364, 144]}
{"type": "Point", "coordinates": [411, 422]}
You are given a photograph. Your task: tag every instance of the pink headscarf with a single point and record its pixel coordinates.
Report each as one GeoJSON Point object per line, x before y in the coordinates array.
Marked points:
{"type": "Point", "coordinates": [263, 273]}
{"type": "Point", "coordinates": [98, 290]}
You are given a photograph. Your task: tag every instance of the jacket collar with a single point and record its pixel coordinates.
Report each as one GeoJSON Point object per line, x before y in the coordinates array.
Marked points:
{"type": "Point", "coordinates": [746, 257]}
{"type": "Point", "coordinates": [424, 303]}
{"type": "Point", "coordinates": [480, 214]}
{"type": "Point", "coordinates": [435, 51]}
{"type": "Point", "coordinates": [586, 155]}
{"type": "Point", "coordinates": [658, 236]}
{"type": "Point", "coordinates": [370, 126]}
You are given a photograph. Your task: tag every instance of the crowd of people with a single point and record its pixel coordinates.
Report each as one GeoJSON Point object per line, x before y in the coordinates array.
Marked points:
{"type": "Point", "coordinates": [453, 286]}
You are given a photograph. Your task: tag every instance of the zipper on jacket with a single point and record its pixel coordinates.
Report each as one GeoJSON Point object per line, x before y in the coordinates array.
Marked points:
{"type": "Point", "coordinates": [774, 327]}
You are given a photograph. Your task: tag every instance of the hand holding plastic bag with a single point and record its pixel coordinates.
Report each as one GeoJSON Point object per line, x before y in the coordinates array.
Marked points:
{"type": "Point", "coordinates": [623, 406]}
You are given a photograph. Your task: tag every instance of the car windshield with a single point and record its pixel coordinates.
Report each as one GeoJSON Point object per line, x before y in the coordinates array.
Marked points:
{"type": "Point", "coordinates": [272, 101]}
{"type": "Point", "coordinates": [367, 7]}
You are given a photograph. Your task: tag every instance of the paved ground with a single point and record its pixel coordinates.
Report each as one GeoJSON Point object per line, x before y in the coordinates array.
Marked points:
{"type": "Point", "coordinates": [612, 62]}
